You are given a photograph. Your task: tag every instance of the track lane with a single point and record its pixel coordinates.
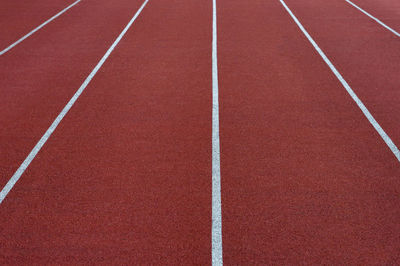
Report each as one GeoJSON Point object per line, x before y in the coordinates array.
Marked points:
{"type": "Point", "coordinates": [350, 91]}
{"type": "Point", "coordinates": [25, 164]}
{"type": "Point", "coordinates": [40, 76]}
{"type": "Point", "coordinates": [305, 177]}
{"type": "Point", "coordinates": [126, 177]}
{"type": "Point", "coordinates": [388, 11]}
{"type": "Point", "coordinates": [17, 17]}
{"type": "Point", "coordinates": [366, 54]}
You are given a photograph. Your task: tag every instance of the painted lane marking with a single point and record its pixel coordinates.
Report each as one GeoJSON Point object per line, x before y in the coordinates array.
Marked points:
{"type": "Point", "coordinates": [374, 18]}
{"type": "Point", "coordinates": [57, 121]}
{"type": "Point", "coordinates": [216, 230]}
{"type": "Point", "coordinates": [360, 104]}
{"type": "Point", "coordinates": [38, 28]}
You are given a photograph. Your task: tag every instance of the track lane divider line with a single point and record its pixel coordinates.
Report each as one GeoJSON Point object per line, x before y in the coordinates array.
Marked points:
{"type": "Point", "coordinates": [17, 175]}
{"type": "Point", "coordinates": [360, 104]}
{"type": "Point", "coordinates": [216, 230]}
{"type": "Point", "coordinates": [38, 27]}
{"type": "Point", "coordinates": [374, 18]}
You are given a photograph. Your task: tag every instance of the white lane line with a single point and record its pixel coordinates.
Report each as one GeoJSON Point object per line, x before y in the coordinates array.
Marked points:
{"type": "Point", "coordinates": [364, 109]}
{"type": "Point", "coordinates": [216, 230]}
{"type": "Point", "coordinates": [374, 18]}
{"type": "Point", "coordinates": [38, 28]}
{"type": "Point", "coordinates": [57, 121]}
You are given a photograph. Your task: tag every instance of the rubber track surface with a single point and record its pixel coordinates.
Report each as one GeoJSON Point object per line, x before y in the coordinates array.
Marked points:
{"type": "Point", "coordinates": [304, 177]}
{"type": "Point", "coordinates": [126, 176]}
{"type": "Point", "coordinates": [18, 17]}
{"type": "Point", "coordinates": [40, 75]}
{"type": "Point", "coordinates": [387, 11]}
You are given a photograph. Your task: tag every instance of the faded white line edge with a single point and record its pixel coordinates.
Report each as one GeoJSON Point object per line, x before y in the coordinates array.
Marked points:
{"type": "Point", "coordinates": [374, 18]}
{"type": "Point", "coordinates": [17, 175]}
{"type": "Point", "coordinates": [38, 28]}
{"type": "Point", "coordinates": [364, 109]}
{"type": "Point", "coordinates": [216, 230]}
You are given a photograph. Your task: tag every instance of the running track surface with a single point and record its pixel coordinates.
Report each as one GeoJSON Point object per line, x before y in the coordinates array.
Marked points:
{"type": "Point", "coordinates": [126, 176]}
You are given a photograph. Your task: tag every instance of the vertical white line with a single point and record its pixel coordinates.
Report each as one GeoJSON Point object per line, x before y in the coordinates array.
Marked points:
{"type": "Point", "coordinates": [374, 18]}
{"type": "Point", "coordinates": [17, 175]}
{"type": "Point", "coordinates": [216, 230]}
{"type": "Point", "coordinates": [38, 28]}
{"type": "Point", "coordinates": [360, 104]}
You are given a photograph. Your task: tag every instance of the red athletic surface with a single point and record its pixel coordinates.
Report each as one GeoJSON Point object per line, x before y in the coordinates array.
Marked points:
{"type": "Point", "coordinates": [364, 52]}
{"type": "Point", "coordinates": [40, 75]}
{"type": "Point", "coordinates": [305, 178]}
{"type": "Point", "coordinates": [387, 11]}
{"type": "Point", "coordinates": [19, 17]}
{"type": "Point", "coordinates": [126, 176]}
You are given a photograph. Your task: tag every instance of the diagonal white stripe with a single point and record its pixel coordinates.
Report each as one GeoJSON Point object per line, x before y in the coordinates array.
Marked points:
{"type": "Point", "coordinates": [364, 109]}
{"type": "Point", "coordinates": [374, 18]}
{"type": "Point", "coordinates": [38, 28]}
{"type": "Point", "coordinates": [17, 175]}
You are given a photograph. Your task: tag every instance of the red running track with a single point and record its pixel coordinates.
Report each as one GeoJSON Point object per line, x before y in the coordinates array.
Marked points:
{"type": "Point", "coordinates": [387, 11]}
{"type": "Point", "coordinates": [305, 178]}
{"type": "Point", "coordinates": [126, 176]}
{"type": "Point", "coordinates": [364, 52]}
{"type": "Point", "coordinates": [41, 74]}
{"type": "Point", "coordinates": [19, 17]}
